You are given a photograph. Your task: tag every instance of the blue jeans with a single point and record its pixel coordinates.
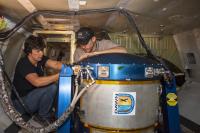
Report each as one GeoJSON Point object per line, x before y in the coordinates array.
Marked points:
{"type": "Point", "coordinates": [40, 101]}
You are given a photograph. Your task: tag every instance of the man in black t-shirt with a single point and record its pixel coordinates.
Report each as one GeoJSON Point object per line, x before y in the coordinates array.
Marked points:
{"type": "Point", "coordinates": [36, 90]}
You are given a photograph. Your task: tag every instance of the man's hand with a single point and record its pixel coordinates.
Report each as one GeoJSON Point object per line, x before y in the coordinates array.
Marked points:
{"type": "Point", "coordinates": [57, 65]}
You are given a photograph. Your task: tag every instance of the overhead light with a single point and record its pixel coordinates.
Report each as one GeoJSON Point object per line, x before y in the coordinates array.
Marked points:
{"type": "Point", "coordinates": [82, 2]}
{"type": "Point", "coordinates": [28, 5]}
{"type": "Point", "coordinates": [73, 5]}
{"type": "Point", "coordinates": [162, 26]}
{"type": "Point", "coordinates": [164, 9]}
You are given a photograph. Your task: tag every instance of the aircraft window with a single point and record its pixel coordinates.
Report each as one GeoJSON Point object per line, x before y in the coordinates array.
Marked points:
{"type": "Point", "coordinates": [191, 58]}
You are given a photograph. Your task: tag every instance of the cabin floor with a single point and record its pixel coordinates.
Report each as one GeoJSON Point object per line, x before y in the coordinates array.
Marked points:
{"type": "Point", "coordinates": [183, 129]}
{"type": "Point", "coordinates": [186, 130]}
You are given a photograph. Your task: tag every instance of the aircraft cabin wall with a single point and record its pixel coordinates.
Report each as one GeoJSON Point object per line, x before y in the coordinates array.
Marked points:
{"type": "Point", "coordinates": [162, 46]}
{"type": "Point", "coordinates": [188, 45]}
{"type": "Point", "coordinates": [13, 52]}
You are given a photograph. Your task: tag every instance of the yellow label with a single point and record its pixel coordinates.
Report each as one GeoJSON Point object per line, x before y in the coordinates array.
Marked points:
{"type": "Point", "coordinates": [3, 23]}
{"type": "Point", "coordinates": [124, 100]}
{"type": "Point", "coordinates": [76, 69]}
{"type": "Point", "coordinates": [172, 99]}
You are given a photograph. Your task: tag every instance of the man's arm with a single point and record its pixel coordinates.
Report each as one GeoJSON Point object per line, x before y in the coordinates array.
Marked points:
{"type": "Point", "coordinates": [117, 49]}
{"type": "Point", "coordinates": [57, 65]}
{"type": "Point", "coordinates": [37, 81]}
{"type": "Point", "coordinates": [77, 54]}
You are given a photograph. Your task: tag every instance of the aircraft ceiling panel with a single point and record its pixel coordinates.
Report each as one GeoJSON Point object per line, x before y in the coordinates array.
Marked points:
{"type": "Point", "coordinates": [58, 5]}
{"type": "Point", "coordinates": [96, 4]}
{"type": "Point", "coordinates": [164, 16]}
{"type": "Point", "coordinates": [175, 15]}
{"type": "Point", "coordinates": [12, 8]}
{"type": "Point", "coordinates": [62, 5]}
{"type": "Point", "coordinates": [90, 20]}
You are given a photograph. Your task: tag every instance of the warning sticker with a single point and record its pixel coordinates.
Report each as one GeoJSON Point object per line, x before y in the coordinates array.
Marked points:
{"type": "Point", "coordinates": [124, 103]}
{"type": "Point", "coordinates": [172, 99]}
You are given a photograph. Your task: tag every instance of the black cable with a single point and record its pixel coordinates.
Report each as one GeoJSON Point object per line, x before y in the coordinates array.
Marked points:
{"type": "Point", "coordinates": [5, 35]}
{"type": "Point", "coordinates": [133, 24]}
{"type": "Point", "coordinates": [143, 43]}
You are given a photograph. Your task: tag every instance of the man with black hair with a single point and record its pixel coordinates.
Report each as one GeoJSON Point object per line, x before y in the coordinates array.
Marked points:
{"type": "Point", "coordinates": [87, 45]}
{"type": "Point", "coordinates": [36, 90]}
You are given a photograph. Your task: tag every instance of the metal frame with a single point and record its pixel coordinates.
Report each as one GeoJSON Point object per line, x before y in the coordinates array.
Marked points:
{"type": "Point", "coordinates": [64, 96]}
{"type": "Point", "coordinates": [170, 111]}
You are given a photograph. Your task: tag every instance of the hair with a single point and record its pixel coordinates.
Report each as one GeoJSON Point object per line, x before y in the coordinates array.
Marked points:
{"type": "Point", "coordinates": [33, 42]}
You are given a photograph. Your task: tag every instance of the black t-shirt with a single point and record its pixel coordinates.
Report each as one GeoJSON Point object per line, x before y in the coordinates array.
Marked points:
{"type": "Point", "coordinates": [23, 68]}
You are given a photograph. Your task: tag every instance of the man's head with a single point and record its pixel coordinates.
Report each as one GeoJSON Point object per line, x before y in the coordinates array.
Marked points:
{"type": "Point", "coordinates": [34, 47]}
{"type": "Point", "coordinates": [85, 39]}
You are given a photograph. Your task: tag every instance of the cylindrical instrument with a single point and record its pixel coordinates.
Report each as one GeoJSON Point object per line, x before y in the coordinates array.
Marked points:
{"type": "Point", "coordinates": [125, 97]}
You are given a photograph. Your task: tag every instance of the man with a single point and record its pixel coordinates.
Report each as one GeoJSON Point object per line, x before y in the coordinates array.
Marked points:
{"type": "Point", "coordinates": [89, 46]}
{"type": "Point", "coordinates": [36, 90]}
